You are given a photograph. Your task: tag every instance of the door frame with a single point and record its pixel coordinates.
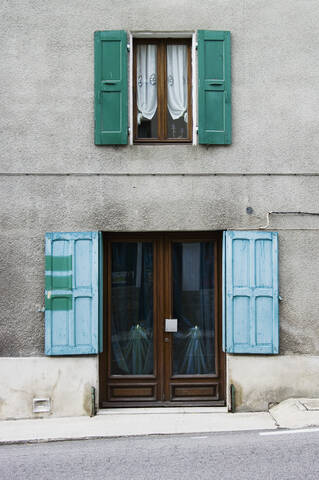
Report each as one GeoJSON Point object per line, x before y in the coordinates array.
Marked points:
{"type": "Point", "coordinates": [161, 381]}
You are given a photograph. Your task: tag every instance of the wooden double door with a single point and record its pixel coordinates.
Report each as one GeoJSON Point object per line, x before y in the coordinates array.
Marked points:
{"type": "Point", "coordinates": [162, 320]}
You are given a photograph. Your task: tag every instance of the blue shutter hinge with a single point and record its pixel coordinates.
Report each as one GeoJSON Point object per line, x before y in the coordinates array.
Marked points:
{"type": "Point", "coordinates": [280, 298]}
{"type": "Point", "coordinates": [196, 46]}
{"type": "Point", "coordinates": [128, 47]}
{"type": "Point", "coordinates": [196, 130]}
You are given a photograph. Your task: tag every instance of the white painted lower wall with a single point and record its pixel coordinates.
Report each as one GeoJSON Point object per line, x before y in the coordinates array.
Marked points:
{"type": "Point", "coordinates": [259, 380]}
{"type": "Point", "coordinates": [66, 381]}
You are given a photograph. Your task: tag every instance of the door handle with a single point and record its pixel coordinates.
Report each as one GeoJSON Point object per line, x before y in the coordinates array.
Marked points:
{"type": "Point", "coordinates": [171, 325]}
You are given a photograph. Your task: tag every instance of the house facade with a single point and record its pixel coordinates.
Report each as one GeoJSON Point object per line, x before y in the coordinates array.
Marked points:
{"type": "Point", "coordinates": [159, 205]}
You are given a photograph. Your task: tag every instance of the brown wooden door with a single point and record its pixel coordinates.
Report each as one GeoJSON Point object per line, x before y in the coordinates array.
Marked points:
{"type": "Point", "coordinates": [150, 278]}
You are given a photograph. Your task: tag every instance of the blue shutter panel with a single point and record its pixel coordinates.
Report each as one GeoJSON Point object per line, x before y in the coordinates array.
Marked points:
{"type": "Point", "coordinates": [251, 316]}
{"type": "Point", "coordinates": [214, 87]}
{"type": "Point", "coordinates": [110, 85]}
{"type": "Point", "coordinates": [72, 293]}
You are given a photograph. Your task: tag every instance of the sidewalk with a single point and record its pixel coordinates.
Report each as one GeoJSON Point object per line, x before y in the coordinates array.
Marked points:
{"type": "Point", "coordinates": [293, 413]}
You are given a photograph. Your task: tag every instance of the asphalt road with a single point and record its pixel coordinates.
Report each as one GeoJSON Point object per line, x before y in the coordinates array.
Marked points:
{"type": "Point", "coordinates": [236, 456]}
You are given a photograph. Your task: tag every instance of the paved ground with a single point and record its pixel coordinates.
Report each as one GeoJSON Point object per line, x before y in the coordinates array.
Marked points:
{"type": "Point", "coordinates": [132, 422]}
{"type": "Point", "coordinates": [291, 413]}
{"type": "Point", "coordinates": [240, 456]}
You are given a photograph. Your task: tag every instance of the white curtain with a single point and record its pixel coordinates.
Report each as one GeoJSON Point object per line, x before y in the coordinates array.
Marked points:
{"type": "Point", "coordinates": [146, 82]}
{"type": "Point", "coordinates": [177, 81]}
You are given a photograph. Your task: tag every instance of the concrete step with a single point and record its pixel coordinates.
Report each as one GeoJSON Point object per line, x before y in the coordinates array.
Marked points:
{"type": "Point", "coordinates": [296, 413]}
{"type": "Point", "coordinates": [160, 410]}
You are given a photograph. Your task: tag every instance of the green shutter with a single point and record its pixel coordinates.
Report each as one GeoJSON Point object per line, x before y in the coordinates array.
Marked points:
{"type": "Point", "coordinates": [110, 87]}
{"type": "Point", "coordinates": [214, 87]}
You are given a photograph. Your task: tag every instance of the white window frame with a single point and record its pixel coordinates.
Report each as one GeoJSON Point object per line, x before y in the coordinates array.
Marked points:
{"type": "Point", "coordinates": [148, 34]}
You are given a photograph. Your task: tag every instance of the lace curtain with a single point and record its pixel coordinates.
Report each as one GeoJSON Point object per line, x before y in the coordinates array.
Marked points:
{"type": "Point", "coordinates": [147, 81]}
{"type": "Point", "coordinates": [177, 81]}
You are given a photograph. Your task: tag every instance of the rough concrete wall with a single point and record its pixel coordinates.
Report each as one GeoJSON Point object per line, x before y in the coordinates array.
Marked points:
{"type": "Point", "coordinates": [269, 379]}
{"type": "Point", "coordinates": [152, 203]}
{"type": "Point", "coordinates": [65, 381]}
{"type": "Point", "coordinates": [47, 84]}
{"type": "Point", "coordinates": [46, 126]}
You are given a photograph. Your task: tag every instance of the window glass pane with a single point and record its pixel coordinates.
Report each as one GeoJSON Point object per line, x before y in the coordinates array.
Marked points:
{"type": "Point", "coordinates": [146, 91]}
{"type": "Point", "coordinates": [132, 308]}
{"type": "Point", "coordinates": [177, 91]}
{"type": "Point", "coordinates": [193, 306]}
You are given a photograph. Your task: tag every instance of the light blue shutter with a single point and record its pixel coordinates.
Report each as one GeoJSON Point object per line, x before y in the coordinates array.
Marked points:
{"type": "Point", "coordinates": [72, 306]}
{"type": "Point", "coordinates": [251, 317]}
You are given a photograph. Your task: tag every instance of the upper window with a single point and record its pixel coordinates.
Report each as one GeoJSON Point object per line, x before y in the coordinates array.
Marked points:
{"type": "Point", "coordinates": [162, 90]}
{"type": "Point", "coordinates": [160, 110]}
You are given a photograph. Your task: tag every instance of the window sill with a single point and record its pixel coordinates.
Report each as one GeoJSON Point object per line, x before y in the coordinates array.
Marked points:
{"type": "Point", "coordinates": [175, 141]}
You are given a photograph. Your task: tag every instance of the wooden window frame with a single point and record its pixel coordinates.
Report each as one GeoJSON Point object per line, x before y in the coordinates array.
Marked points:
{"type": "Point", "coordinates": [162, 109]}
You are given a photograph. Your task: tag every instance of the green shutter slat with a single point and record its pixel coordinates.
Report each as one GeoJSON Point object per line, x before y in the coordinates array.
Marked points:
{"type": "Point", "coordinates": [72, 293]}
{"type": "Point", "coordinates": [214, 87]}
{"type": "Point", "coordinates": [110, 85]}
{"type": "Point", "coordinates": [251, 292]}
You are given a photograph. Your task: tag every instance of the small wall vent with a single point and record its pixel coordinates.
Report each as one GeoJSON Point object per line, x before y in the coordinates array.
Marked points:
{"type": "Point", "coordinates": [41, 405]}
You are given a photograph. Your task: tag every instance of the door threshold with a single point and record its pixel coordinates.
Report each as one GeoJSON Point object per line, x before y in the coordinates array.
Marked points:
{"type": "Point", "coordinates": [160, 410]}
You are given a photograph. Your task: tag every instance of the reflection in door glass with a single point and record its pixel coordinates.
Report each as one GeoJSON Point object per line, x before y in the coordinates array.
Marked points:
{"type": "Point", "coordinates": [132, 308]}
{"type": "Point", "coordinates": [193, 306]}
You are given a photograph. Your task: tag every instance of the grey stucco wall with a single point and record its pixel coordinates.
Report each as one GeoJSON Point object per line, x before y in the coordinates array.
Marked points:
{"type": "Point", "coordinates": [46, 129]}
{"type": "Point", "coordinates": [47, 84]}
{"type": "Point", "coordinates": [148, 203]}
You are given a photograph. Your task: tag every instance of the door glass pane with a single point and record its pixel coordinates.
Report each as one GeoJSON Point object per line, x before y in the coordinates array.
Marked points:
{"type": "Point", "coordinates": [146, 91]}
{"type": "Point", "coordinates": [132, 308]}
{"type": "Point", "coordinates": [193, 306]}
{"type": "Point", "coordinates": [177, 91]}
